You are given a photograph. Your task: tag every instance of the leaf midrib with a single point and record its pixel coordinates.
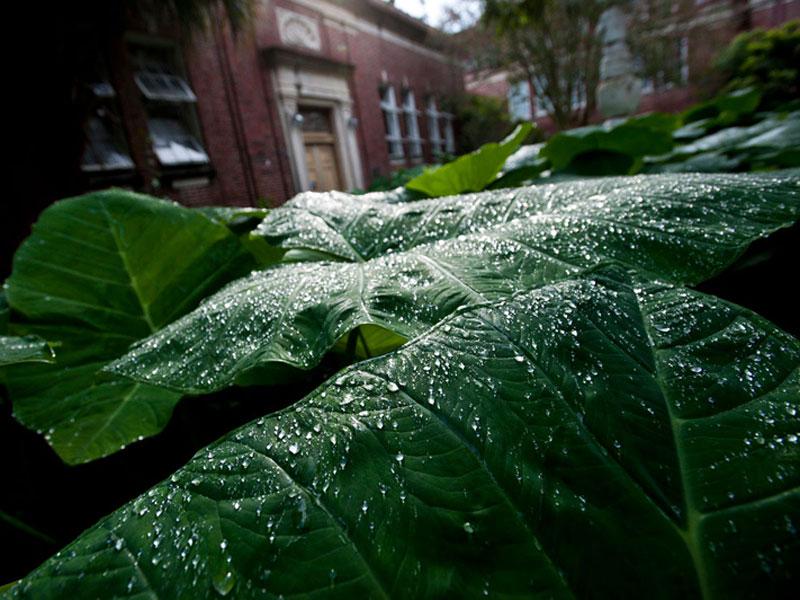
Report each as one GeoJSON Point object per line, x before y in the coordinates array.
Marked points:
{"type": "Point", "coordinates": [381, 585]}
{"type": "Point", "coordinates": [690, 532]}
{"type": "Point", "coordinates": [465, 442]}
{"type": "Point", "coordinates": [134, 284]}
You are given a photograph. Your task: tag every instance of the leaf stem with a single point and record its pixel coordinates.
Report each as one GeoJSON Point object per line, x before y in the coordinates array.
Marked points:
{"type": "Point", "coordinates": [24, 527]}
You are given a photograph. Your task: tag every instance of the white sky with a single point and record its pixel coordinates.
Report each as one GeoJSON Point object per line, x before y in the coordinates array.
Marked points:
{"type": "Point", "coordinates": [432, 11]}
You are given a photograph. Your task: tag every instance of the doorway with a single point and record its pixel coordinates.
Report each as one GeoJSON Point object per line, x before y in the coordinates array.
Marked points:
{"type": "Point", "coordinates": [319, 141]}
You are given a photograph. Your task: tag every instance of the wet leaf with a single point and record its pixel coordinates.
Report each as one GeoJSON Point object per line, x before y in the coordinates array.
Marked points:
{"type": "Point", "coordinates": [337, 226]}
{"type": "Point", "coordinates": [771, 142]}
{"type": "Point", "coordinates": [471, 172]}
{"type": "Point", "coordinates": [15, 349]}
{"type": "Point", "coordinates": [725, 109]}
{"type": "Point", "coordinates": [98, 273]}
{"type": "Point", "coordinates": [612, 147]}
{"type": "Point", "coordinates": [295, 313]}
{"type": "Point", "coordinates": [599, 437]}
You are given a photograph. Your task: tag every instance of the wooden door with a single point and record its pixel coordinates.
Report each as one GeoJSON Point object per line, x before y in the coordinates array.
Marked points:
{"type": "Point", "coordinates": [320, 145]}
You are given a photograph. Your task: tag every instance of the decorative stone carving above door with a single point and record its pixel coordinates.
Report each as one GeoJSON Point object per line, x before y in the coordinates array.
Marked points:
{"type": "Point", "coordinates": [298, 30]}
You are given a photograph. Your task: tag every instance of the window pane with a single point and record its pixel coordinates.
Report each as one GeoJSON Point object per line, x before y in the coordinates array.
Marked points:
{"type": "Point", "coordinates": [173, 144]}
{"type": "Point", "coordinates": [102, 152]}
{"type": "Point", "coordinates": [519, 102]}
{"type": "Point", "coordinates": [316, 120]}
{"type": "Point", "coordinates": [391, 120]}
{"type": "Point", "coordinates": [160, 84]}
{"type": "Point", "coordinates": [412, 124]}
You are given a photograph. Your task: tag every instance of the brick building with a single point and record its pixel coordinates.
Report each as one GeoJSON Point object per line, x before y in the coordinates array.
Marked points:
{"type": "Point", "coordinates": [692, 32]}
{"type": "Point", "coordinates": [315, 94]}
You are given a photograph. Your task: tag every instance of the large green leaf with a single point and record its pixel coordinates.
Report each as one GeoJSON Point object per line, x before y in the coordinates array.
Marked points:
{"type": "Point", "coordinates": [294, 313]}
{"type": "Point", "coordinates": [725, 109]}
{"type": "Point", "coordinates": [594, 438]}
{"type": "Point", "coordinates": [612, 147]}
{"type": "Point", "coordinates": [345, 227]}
{"type": "Point", "coordinates": [704, 162]}
{"type": "Point", "coordinates": [471, 172]}
{"type": "Point", "coordinates": [98, 273]}
{"type": "Point", "coordinates": [772, 141]}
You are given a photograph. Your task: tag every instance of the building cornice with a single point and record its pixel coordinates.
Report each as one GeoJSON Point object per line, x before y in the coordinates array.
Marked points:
{"type": "Point", "coordinates": [345, 20]}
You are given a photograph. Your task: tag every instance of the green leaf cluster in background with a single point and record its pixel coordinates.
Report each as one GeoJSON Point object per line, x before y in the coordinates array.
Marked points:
{"type": "Point", "coordinates": [773, 141]}
{"type": "Point", "coordinates": [768, 60]}
{"type": "Point", "coordinates": [723, 110]}
{"type": "Point", "coordinates": [613, 147]}
{"type": "Point", "coordinates": [724, 134]}
{"type": "Point", "coordinates": [471, 172]}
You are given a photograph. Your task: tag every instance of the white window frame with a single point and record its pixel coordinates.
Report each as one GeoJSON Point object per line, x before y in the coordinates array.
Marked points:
{"type": "Point", "coordinates": [394, 136]}
{"type": "Point", "coordinates": [434, 130]}
{"type": "Point", "coordinates": [180, 147]}
{"type": "Point", "coordinates": [539, 99]}
{"type": "Point", "coordinates": [100, 140]}
{"type": "Point", "coordinates": [449, 137]}
{"type": "Point", "coordinates": [154, 76]}
{"type": "Point", "coordinates": [578, 99]}
{"type": "Point", "coordinates": [519, 101]}
{"type": "Point", "coordinates": [412, 124]}
{"type": "Point", "coordinates": [683, 57]}
{"type": "Point", "coordinates": [169, 109]}
{"type": "Point", "coordinates": [103, 146]}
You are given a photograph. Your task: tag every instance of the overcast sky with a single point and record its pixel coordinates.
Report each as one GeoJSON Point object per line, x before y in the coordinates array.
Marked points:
{"type": "Point", "coordinates": [431, 11]}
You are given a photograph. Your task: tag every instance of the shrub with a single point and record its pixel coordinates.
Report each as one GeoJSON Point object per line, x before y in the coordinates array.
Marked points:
{"type": "Point", "coordinates": [768, 60]}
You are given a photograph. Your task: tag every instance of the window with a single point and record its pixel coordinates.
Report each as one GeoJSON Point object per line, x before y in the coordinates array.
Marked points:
{"type": "Point", "coordinates": [541, 104]}
{"type": "Point", "coordinates": [105, 149]}
{"type": "Point", "coordinates": [412, 124]}
{"type": "Point", "coordinates": [173, 144]}
{"type": "Point", "coordinates": [434, 131]}
{"type": "Point", "coordinates": [391, 118]}
{"type": "Point", "coordinates": [449, 138]}
{"type": "Point", "coordinates": [578, 95]}
{"type": "Point", "coordinates": [519, 101]}
{"type": "Point", "coordinates": [170, 105]}
{"type": "Point", "coordinates": [156, 82]}
{"type": "Point", "coordinates": [683, 59]}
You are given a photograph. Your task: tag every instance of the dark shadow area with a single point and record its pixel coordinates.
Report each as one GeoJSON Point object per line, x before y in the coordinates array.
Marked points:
{"type": "Point", "coordinates": [60, 501]}
{"type": "Point", "coordinates": [764, 279]}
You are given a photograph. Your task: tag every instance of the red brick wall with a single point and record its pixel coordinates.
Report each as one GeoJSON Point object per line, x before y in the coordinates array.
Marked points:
{"type": "Point", "coordinates": [239, 114]}
{"type": "Point", "coordinates": [239, 129]}
{"type": "Point", "coordinates": [403, 69]}
{"type": "Point", "coordinates": [371, 56]}
{"type": "Point", "coordinates": [706, 39]}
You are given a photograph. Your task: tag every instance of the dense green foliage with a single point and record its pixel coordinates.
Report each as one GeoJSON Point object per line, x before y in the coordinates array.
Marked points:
{"type": "Point", "coordinates": [766, 59]}
{"type": "Point", "coordinates": [725, 134]}
{"type": "Point", "coordinates": [523, 396]}
{"type": "Point", "coordinates": [395, 179]}
{"type": "Point", "coordinates": [531, 361]}
{"type": "Point", "coordinates": [590, 396]}
{"type": "Point", "coordinates": [613, 147]}
{"type": "Point", "coordinates": [100, 272]}
{"type": "Point", "coordinates": [481, 119]}
{"type": "Point", "coordinates": [471, 172]}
